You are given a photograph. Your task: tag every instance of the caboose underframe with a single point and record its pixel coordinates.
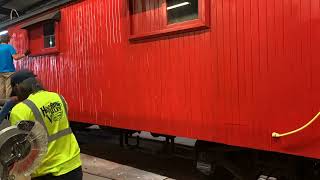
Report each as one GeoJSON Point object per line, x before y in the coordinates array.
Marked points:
{"type": "Point", "coordinates": [252, 69]}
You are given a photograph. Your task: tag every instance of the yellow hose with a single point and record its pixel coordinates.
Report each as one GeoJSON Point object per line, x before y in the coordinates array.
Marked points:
{"type": "Point", "coordinates": [277, 135]}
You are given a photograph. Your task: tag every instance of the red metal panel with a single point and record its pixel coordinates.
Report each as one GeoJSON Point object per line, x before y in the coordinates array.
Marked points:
{"type": "Point", "coordinates": [253, 72]}
{"type": "Point", "coordinates": [241, 63]}
{"type": "Point", "coordinates": [19, 39]}
{"type": "Point", "coordinates": [36, 38]}
{"type": "Point", "coordinates": [145, 16]}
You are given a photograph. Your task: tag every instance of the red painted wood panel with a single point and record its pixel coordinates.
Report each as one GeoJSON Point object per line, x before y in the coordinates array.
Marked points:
{"type": "Point", "coordinates": [35, 35]}
{"type": "Point", "coordinates": [253, 72]}
{"type": "Point", "coordinates": [146, 16]}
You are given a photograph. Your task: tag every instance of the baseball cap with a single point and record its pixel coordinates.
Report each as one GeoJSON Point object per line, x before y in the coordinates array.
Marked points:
{"type": "Point", "coordinates": [20, 76]}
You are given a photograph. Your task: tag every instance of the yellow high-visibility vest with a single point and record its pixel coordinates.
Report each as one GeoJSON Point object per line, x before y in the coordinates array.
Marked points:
{"type": "Point", "coordinates": [63, 153]}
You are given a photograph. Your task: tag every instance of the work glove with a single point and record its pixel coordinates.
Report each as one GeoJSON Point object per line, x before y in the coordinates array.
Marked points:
{"type": "Point", "coordinates": [27, 53]}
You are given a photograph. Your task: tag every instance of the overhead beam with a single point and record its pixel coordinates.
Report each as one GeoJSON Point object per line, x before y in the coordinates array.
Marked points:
{"type": "Point", "coordinates": [3, 2]}
{"type": "Point", "coordinates": [36, 5]}
{"type": "Point", "coordinates": [5, 11]}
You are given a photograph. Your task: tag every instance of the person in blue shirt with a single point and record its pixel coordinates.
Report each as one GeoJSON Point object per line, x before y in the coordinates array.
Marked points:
{"type": "Point", "coordinates": [7, 55]}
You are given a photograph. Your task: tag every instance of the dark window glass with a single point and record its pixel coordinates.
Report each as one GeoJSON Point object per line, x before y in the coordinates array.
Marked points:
{"type": "Point", "coordinates": [182, 10]}
{"type": "Point", "coordinates": [49, 35]}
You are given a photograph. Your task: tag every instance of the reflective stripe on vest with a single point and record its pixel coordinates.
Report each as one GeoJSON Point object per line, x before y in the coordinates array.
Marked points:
{"type": "Point", "coordinates": [64, 104]}
{"type": "Point", "coordinates": [38, 117]}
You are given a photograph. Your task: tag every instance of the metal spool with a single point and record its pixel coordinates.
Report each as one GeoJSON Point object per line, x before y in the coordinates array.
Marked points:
{"type": "Point", "coordinates": [22, 148]}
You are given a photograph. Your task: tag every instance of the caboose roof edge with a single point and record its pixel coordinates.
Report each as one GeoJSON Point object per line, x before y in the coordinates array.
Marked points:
{"type": "Point", "coordinates": [4, 25]}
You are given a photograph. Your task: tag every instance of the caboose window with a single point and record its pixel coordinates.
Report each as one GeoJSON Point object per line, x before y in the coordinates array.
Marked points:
{"type": "Point", "coordinates": [43, 33]}
{"type": "Point", "coordinates": [151, 19]}
{"type": "Point", "coordinates": [49, 35]}
{"type": "Point", "coordinates": [181, 10]}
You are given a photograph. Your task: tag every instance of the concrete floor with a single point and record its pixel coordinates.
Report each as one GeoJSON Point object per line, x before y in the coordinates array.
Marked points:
{"type": "Point", "coordinates": [101, 169]}
{"type": "Point", "coordinates": [87, 176]}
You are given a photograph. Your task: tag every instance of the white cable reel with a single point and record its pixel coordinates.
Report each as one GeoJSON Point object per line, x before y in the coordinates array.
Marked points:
{"type": "Point", "coordinates": [22, 149]}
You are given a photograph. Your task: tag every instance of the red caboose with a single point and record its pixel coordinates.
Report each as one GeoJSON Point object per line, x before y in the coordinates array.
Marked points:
{"type": "Point", "coordinates": [221, 71]}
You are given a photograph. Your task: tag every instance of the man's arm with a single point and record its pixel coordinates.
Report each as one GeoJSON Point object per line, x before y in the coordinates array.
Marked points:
{"type": "Point", "coordinates": [7, 108]}
{"type": "Point", "coordinates": [18, 56]}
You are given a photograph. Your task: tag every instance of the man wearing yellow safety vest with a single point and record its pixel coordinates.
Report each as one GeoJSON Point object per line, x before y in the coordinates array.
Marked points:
{"type": "Point", "coordinates": [50, 109]}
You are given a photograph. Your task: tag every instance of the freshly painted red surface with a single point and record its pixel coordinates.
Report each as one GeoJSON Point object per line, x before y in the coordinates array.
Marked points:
{"type": "Point", "coordinates": [255, 71]}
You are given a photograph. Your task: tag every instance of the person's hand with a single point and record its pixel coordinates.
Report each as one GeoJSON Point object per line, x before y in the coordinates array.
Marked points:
{"type": "Point", "coordinates": [14, 98]}
{"type": "Point", "coordinates": [27, 53]}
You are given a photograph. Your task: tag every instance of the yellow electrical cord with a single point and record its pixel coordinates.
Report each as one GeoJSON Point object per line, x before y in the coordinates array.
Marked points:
{"type": "Point", "coordinates": [277, 135]}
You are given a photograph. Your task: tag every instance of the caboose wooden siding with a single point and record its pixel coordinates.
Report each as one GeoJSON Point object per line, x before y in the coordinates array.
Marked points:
{"type": "Point", "coordinates": [254, 71]}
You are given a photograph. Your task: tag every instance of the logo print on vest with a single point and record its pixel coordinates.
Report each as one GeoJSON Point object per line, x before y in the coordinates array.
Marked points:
{"type": "Point", "coordinates": [53, 111]}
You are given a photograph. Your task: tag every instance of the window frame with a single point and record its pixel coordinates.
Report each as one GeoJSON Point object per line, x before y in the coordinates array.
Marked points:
{"type": "Point", "coordinates": [203, 22]}
{"type": "Point", "coordinates": [45, 36]}
{"type": "Point", "coordinates": [42, 50]}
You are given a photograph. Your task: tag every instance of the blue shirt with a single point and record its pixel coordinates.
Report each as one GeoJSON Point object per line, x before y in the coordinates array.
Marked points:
{"type": "Point", "coordinates": [6, 60]}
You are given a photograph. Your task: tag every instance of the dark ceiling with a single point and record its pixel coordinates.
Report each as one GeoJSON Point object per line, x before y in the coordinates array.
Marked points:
{"type": "Point", "coordinates": [22, 6]}
{"type": "Point", "coordinates": [25, 9]}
